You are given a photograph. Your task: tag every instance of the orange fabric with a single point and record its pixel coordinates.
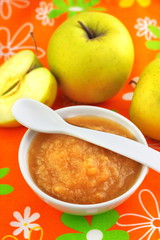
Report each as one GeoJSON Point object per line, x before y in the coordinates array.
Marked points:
{"type": "Point", "coordinates": [17, 19]}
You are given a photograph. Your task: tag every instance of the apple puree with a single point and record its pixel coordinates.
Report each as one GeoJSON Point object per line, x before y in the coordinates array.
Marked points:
{"type": "Point", "coordinates": [76, 171]}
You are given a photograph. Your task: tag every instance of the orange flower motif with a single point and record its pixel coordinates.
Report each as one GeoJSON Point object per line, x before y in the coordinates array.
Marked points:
{"type": "Point", "coordinates": [147, 224]}
{"type": "Point", "coordinates": [9, 45]}
{"type": "Point", "coordinates": [6, 7]}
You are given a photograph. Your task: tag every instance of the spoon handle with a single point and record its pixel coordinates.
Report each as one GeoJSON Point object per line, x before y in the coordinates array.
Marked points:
{"type": "Point", "coordinates": [39, 117]}
{"type": "Point", "coordinates": [124, 146]}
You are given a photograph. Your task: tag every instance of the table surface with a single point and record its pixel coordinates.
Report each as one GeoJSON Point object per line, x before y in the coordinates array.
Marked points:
{"type": "Point", "coordinates": [23, 215]}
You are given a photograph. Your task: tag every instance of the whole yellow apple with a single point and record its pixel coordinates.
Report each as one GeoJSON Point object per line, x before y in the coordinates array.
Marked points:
{"type": "Point", "coordinates": [91, 55]}
{"type": "Point", "coordinates": [145, 105]}
{"type": "Point", "coordinates": [22, 76]}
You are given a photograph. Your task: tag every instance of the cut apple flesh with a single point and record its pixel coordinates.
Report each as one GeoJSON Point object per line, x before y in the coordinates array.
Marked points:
{"type": "Point", "coordinates": [14, 69]}
{"type": "Point", "coordinates": [23, 82]}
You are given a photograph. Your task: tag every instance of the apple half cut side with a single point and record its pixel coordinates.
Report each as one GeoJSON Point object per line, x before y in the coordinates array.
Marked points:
{"type": "Point", "coordinates": [23, 77]}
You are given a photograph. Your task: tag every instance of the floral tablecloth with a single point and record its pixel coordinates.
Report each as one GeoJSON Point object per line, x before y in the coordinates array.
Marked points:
{"type": "Point", "coordinates": [22, 214]}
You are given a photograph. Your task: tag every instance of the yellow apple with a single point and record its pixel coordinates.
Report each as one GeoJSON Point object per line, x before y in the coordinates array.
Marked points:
{"type": "Point", "coordinates": [145, 105]}
{"type": "Point", "coordinates": [21, 76]}
{"type": "Point", "coordinates": [91, 55]}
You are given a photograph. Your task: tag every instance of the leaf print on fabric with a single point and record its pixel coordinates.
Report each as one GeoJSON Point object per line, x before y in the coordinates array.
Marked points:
{"type": "Point", "coordinates": [5, 188]}
{"type": "Point", "coordinates": [142, 27]}
{"type": "Point", "coordinates": [147, 225]}
{"type": "Point", "coordinates": [72, 7]}
{"type": "Point", "coordinates": [154, 44]}
{"type": "Point", "coordinates": [42, 13]}
{"type": "Point", "coordinates": [98, 230]}
{"type": "Point", "coordinates": [24, 224]}
{"type": "Point", "coordinates": [6, 7]}
{"type": "Point", "coordinates": [10, 45]}
{"type": "Point", "coordinates": [129, 3]}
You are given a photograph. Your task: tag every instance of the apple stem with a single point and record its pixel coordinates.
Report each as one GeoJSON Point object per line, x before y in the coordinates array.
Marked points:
{"type": "Point", "coordinates": [89, 32]}
{"type": "Point", "coordinates": [134, 83]}
{"type": "Point", "coordinates": [35, 45]}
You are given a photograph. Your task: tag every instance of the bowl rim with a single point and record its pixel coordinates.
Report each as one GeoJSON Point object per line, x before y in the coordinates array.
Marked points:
{"type": "Point", "coordinates": [27, 176]}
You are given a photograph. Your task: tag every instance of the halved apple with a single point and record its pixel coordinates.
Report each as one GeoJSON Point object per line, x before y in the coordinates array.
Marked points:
{"type": "Point", "coordinates": [22, 76]}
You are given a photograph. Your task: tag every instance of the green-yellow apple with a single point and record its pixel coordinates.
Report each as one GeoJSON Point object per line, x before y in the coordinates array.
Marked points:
{"type": "Point", "coordinates": [145, 105]}
{"type": "Point", "coordinates": [22, 75]}
{"type": "Point", "coordinates": [91, 55]}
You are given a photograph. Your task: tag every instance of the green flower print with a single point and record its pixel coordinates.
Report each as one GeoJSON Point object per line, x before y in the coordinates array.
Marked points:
{"type": "Point", "coordinates": [95, 231]}
{"type": "Point", "coordinates": [154, 44]}
{"type": "Point", "coordinates": [5, 188]}
{"type": "Point", "coordinates": [73, 7]}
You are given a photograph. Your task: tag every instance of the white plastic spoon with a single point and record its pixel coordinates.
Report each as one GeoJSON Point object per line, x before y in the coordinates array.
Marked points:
{"type": "Point", "coordinates": [38, 117]}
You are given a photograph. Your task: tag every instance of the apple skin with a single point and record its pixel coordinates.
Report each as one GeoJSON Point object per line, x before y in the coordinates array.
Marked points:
{"type": "Point", "coordinates": [22, 76]}
{"type": "Point", "coordinates": [91, 70]}
{"type": "Point", "coordinates": [145, 105]}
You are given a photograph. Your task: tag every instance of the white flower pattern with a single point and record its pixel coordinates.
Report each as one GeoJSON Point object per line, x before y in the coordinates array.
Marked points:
{"type": "Point", "coordinates": [94, 234]}
{"type": "Point", "coordinates": [142, 27]}
{"type": "Point", "coordinates": [128, 96]}
{"type": "Point", "coordinates": [149, 222]}
{"type": "Point", "coordinates": [42, 13]}
{"type": "Point", "coordinates": [10, 45]}
{"type": "Point", "coordinates": [24, 224]}
{"type": "Point", "coordinates": [6, 7]}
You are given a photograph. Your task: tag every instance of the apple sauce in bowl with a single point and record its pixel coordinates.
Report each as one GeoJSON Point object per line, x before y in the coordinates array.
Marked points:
{"type": "Point", "coordinates": [78, 177]}
{"type": "Point", "coordinates": [76, 171]}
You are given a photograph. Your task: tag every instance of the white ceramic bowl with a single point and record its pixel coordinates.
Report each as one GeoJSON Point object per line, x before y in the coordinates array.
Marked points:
{"type": "Point", "coordinates": [81, 209]}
